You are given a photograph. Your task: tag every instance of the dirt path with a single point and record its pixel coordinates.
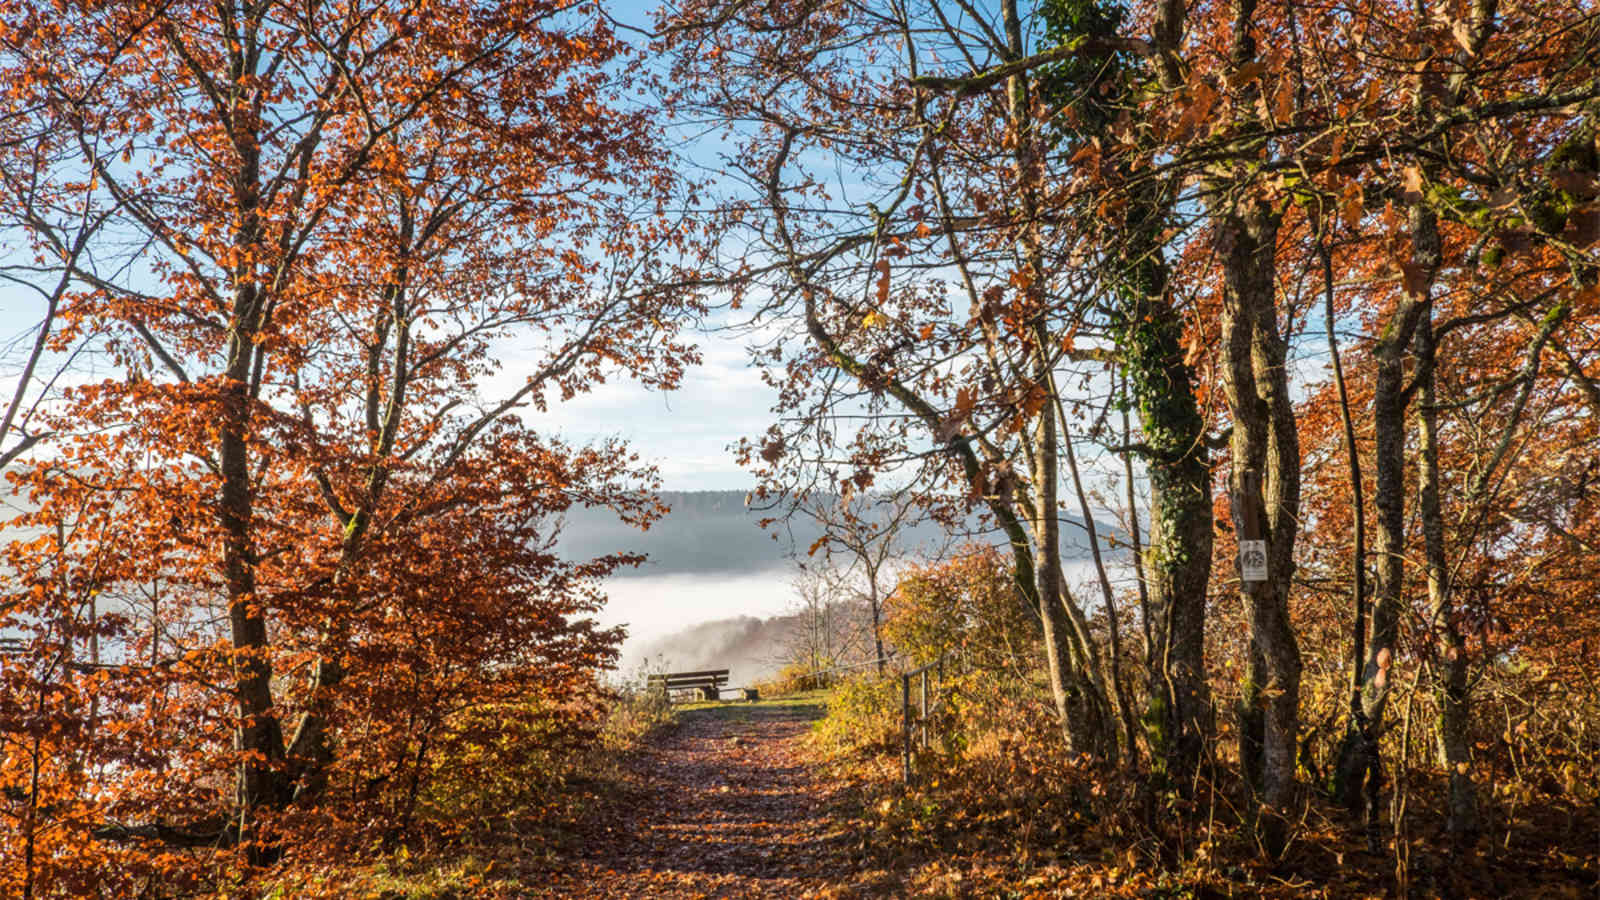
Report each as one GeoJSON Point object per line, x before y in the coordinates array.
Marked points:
{"type": "Point", "coordinates": [722, 805]}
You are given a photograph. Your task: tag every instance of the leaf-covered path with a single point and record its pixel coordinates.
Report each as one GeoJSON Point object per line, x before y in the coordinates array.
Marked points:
{"type": "Point", "coordinates": [723, 804]}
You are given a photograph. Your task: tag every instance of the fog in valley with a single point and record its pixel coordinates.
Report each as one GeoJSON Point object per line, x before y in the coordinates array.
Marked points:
{"type": "Point", "coordinates": [717, 591]}
{"type": "Point", "coordinates": [690, 622]}
{"type": "Point", "coordinates": [720, 592]}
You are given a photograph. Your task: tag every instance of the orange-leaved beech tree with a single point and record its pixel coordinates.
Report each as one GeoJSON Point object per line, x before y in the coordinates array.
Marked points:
{"type": "Point", "coordinates": [312, 521]}
{"type": "Point", "coordinates": [1448, 217]}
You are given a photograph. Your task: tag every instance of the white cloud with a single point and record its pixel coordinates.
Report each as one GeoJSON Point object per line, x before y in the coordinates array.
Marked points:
{"type": "Point", "coordinates": [686, 432]}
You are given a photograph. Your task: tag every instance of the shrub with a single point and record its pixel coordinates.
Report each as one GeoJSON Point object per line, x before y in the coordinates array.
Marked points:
{"type": "Point", "coordinates": [969, 604]}
{"type": "Point", "coordinates": [863, 717]}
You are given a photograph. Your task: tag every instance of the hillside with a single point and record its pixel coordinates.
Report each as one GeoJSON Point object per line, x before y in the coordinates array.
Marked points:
{"type": "Point", "coordinates": [711, 532]}
{"type": "Point", "coordinates": [749, 648]}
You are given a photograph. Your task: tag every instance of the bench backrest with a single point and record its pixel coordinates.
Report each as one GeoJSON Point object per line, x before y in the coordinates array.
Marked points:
{"type": "Point", "coordinates": [682, 681]}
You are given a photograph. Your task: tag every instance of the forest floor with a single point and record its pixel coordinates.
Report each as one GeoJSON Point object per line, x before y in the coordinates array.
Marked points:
{"type": "Point", "coordinates": [725, 802]}
{"type": "Point", "coordinates": [732, 801]}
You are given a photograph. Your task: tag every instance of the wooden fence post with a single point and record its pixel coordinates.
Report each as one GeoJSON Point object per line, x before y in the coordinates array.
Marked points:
{"type": "Point", "coordinates": [924, 717]}
{"type": "Point", "coordinates": [905, 727]}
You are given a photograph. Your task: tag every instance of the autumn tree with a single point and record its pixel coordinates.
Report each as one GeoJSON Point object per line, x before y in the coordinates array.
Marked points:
{"type": "Point", "coordinates": [1285, 166]}
{"type": "Point", "coordinates": [1099, 80]}
{"type": "Point", "coordinates": [826, 627]}
{"type": "Point", "coordinates": [316, 468]}
{"type": "Point", "coordinates": [961, 607]}
{"type": "Point", "coordinates": [1263, 129]}
{"type": "Point", "coordinates": [936, 302]}
{"type": "Point", "coordinates": [1387, 217]}
{"type": "Point", "coordinates": [864, 538]}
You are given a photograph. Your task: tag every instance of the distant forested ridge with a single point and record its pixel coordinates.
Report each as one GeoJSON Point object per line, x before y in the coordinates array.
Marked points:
{"type": "Point", "coordinates": [714, 531]}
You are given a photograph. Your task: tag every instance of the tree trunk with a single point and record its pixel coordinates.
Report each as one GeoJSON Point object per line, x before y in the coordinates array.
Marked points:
{"type": "Point", "coordinates": [1120, 702]}
{"type": "Point", "coordinates": [1358, 769]}
{"type": "Point", "coordinates": [1075, 675]}
{"type": "Point", "coordinates": [877, 617]}
{"type": "Point", "coordinates": [262, 779]}
{"type": "Point", "coordinates": [311, 750]}
{"type": "Point", "coordinates": [1266, 493]}
{"type": "Point", "coordinates": [1390, 401]}
{"type": "Point", "coordinates": [1080, 699]}
{"type": "Point", "coordinates": [1389, 490]}
{"type": "Point", "coordinates": [1177, 561]}
{"type": "Point", "coordinates": [260, 736]}
{"type": "Point", "coordinates": [1450, 651]}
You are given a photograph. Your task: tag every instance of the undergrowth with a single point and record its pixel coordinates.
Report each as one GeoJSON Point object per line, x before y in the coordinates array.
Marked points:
{"type": "Point", "coordinates": [998, 808]}
{"type": "Point", "coordinates": [502, 809]}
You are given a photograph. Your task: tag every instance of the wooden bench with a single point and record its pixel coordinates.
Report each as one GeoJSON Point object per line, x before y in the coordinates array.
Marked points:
{"type": "Point", "coordinates": [707, 685]}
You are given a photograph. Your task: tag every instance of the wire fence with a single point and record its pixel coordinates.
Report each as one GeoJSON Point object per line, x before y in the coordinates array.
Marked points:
{"type": "Point", "coordinates": [922, 695]}
{"type": "Point", "coordinates": [929, 680]}
{"type": "Point", "coordinates": [883, 660]}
